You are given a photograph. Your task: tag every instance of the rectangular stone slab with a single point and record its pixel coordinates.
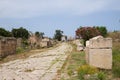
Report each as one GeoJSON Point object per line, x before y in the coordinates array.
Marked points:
{"type": "Point", "coordinates": [100, 43]}
{"type": "Point", "coordinates": [101, 58]}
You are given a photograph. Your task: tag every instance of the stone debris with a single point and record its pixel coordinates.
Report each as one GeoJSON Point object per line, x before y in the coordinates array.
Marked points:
{"type": "Point", "coordinates": [80, 47]}
{"type": "Point", "coordinates": [41, 66]}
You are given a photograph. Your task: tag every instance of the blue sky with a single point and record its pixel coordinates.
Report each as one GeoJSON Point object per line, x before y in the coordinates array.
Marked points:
{"type": "Point", "coordinates": [48, 15]}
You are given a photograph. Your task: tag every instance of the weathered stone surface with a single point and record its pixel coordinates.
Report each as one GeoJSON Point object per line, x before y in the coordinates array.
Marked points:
{"type": "Point", "coordinates": [46, 42]}
{"type": "Point", "coordinates": [87, 43]}
{"type": "Point", "coordinates": [7, 46]}
{"type": "Point", "coordinates": [40, 66]}
{"type": "Point", "coordinates": [76, 42]}
{"type": "Point", "coordinates": [43, 44]}
{"type": "Point", "coordinates": [101, 58]}
{"type": "Point", "coordinates": [87, 55]}
{"type": "Point", "coordinates": [100, 43]}
{"type": "Point", "coordinates": [46, 39]}
{"type": "Point", "coordinates": [19, 42]}
{"type": "Point", "coordinates": [80, 47]}
{"type": "Point", "coordinates": [99, 52]}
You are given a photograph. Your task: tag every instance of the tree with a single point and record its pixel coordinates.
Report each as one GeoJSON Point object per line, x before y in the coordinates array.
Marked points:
{"type": "Point", "coordinates": [5, 33]}
{"type": "Point", "coordinates": [58, 35]}
{"type": "Point", "coordinates": [86, 33]}
{"type": "Point", "coordinates": [102, 30]}
{"type": "Point", "coordinates": [20, 33]}
{"type": "Point", "coordinates": [39, 34]}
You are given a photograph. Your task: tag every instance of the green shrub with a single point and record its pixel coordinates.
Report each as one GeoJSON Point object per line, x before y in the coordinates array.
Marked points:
{"type": "Point", "coordinates": [85, 70]}
{"type": "Point", "coordinates": [101, 76]}
{"type": "Point", "coordinates": [69, 72]}
{"type": "Point", "coordinates": [116, 62]}
{"type": "Point", "coordinates": [19, 50]}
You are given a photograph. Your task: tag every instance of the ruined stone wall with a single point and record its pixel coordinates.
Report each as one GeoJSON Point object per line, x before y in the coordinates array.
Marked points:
{"type": "Point", "coordinates": [46, 42]}
{"type": "Point", "coordinates": [99, 52]}
{"type": "Point", "coordinates": [43, 44]}
{"type": "Point", "coordinates": [19, 42]}
{"type": "Point", "coordinates": [7, 46]}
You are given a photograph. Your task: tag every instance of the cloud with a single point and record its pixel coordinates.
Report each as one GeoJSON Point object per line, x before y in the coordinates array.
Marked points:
{"type": "Point", "coordinates": [34, 8]}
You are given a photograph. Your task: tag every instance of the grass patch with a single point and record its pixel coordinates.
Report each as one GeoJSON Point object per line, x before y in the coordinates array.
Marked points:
{"type": "Point", "coordinates": [116, 60]}
{"type": "Point", "coordinates": [86, 70]}
{"type": "Point", "coordinates": [72, 63]}
{"type": "Point", "coordinates": [77, 59]}
{"type": "Point", "coordinates": [20, 50]}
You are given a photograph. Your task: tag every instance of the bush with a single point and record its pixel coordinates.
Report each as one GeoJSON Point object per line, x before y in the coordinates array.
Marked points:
{"type": "Point", "coordinates": [102, 30]}
{"type": "Point", "coordinates": [86, 33]}
{"type": "Point", "coordinates": [19, 50]}
{"type": "Point", "coordinates": [86, 70]}
{"type": "Point", "coordinates": [69, 72]}
{"type": "Point", "coordinates": [116, 53]}
{"type": "Point", "coordinates": [101, 76]}
{"type": "Point", "coordinates": [116, 62]}
{"type": "Point", "coordinates": [5, 33]}
{"type": "Point", "coordinates": [20, 33]}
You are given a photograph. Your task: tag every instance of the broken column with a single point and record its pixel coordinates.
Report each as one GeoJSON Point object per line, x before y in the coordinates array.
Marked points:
{"type": "Point", "coordinates": [99, 52]}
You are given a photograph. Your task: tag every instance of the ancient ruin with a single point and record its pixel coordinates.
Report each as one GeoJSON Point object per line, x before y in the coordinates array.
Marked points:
{"type": "Point", "coordinates": [99, 52]}
{"type": "Point", "coordinates": [46, 42]}
{"type": "Point", "coordinates": [80, 46]}
{"type": "Point", "coordinates": [7, 46]}
{"type": "Point", "coordinates": [19, 42]}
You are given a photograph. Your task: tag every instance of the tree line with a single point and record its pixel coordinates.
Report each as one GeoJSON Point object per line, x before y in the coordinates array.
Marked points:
{"type": "Point", "coordinates": [24, 33]}
{"type": "Point", "coordinates": [19, 33]}
{"type": "Point", "coordinates": [82, 32]}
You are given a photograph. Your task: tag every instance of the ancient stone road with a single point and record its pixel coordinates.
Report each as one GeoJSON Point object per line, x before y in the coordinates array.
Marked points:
{"type": "Point", "coordinates": [41, 66]}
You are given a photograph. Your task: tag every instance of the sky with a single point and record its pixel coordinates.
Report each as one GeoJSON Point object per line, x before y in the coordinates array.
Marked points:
{"type": "Point", "coordinates": [67, 15]}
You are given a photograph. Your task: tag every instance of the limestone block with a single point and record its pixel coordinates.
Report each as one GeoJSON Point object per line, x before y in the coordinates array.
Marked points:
{"type": "Point", "coordinates": [87, 43]}
{"type": "Point", "coordinates": [43, 43]}
{"type": "Point", "coordinates": [46, 39]}
{"type": "Point", "coordinates": [80, 47]}
{"type": "Point", "coordinates": [100, 43]}
{"type": "Point", "coordinates": [101, 58]}
{"type": "Point", "coordinates": [76, 42]}
{"type": "Point", "coordinates": [97, 37]}
{"type": "Point", "coordinates": [87, 54]}
{"type": "Point", "coordinates": [19, 42]}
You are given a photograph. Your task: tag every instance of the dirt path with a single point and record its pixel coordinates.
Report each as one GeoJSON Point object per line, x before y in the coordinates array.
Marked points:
{"type": "Point", "coordinates": [41, 66]}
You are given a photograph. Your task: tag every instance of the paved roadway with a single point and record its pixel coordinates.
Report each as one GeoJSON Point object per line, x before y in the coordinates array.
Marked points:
{"type": "Point", "coordinates": [40, 66]}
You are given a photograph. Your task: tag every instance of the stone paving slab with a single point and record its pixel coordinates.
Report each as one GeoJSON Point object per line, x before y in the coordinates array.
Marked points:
{"type": "Point", "coordinates": [40, 66]}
